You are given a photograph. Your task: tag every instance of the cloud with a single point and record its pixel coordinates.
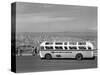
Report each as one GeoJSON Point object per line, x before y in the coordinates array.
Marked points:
{"type": "Point", "coordinates": [41, 18]}
{"type": "Point", "coordinates": [48, 5]}
{"type": "Point", "coordinates": [93, 28]}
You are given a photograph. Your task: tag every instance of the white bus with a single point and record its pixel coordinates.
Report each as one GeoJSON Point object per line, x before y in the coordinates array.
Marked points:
{"type": "Point", "coordinates": [60, 49]}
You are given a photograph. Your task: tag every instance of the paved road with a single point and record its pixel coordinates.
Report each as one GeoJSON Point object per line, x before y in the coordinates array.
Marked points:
{"type": "Point", "coordinates": [35, 64]}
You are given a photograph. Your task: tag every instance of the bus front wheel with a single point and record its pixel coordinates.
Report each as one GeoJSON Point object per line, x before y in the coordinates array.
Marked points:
{"type": "Point", "coordinates": [79, 56]}
{"type": "Point", "coordinates": [48, 56]}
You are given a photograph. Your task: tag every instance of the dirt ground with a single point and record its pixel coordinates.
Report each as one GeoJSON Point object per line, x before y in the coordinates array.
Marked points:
{"type": "Point", "coordinates": [35, 64]}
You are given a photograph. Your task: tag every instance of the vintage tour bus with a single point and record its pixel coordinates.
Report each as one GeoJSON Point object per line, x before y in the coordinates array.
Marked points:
{"type": "Point", "coordinates": [66, 49]}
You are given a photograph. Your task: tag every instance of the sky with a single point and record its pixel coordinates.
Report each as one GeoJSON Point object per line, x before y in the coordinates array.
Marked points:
{"type": "Point", "coordinates": [37, 17]}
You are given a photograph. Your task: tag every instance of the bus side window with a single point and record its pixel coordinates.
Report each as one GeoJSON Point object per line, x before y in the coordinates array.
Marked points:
{"type": "Point", "coordinates": [49, 47]}
{"type": "Point", "coordinates": [48, 43]}
{"type": "Point", "coordinates": [72, 43]}
{"type": "Point", "coordinates": [89, 48]}
{"type": "Point", "coordinates": [82, 43]}
{"type": "Point", "coordinates": [42, 48]}
{"type": "Point", "coordinates": [58, 47]}
{"type": "Point", "coordinates": [72, 48]}
{"type": "Point", "coordinates": [65, 43]}
{"type": "Point", "coordinates": [82, 47]}
{"type": "Point", "coordinates": [58, 43]}
{"type": "Point", "coordinates": [66, 48]}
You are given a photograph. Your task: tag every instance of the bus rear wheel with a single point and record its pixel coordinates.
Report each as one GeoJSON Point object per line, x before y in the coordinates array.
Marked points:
{"type": "Point", "coordinates": [79, 57]}
{"type": "Point", "coordinates": [48, 56]}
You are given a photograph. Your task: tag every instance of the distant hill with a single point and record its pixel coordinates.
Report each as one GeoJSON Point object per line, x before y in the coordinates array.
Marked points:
{"type": "Point", "coordinates": [35, 38]}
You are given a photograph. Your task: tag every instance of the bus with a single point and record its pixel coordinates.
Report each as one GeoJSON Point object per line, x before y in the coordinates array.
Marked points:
{"type": "Point", "coordinates": [66, 49]}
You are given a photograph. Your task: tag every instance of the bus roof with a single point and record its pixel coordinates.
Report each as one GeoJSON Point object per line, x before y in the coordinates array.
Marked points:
{"type": "Point", "coordinates": [78, 43]}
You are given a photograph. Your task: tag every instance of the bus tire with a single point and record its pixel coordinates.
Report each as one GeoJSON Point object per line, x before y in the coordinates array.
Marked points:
{"type": "Point", "coordinates": [48, 56]}
{"type": "Point", "coordinates": [79, 56]}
